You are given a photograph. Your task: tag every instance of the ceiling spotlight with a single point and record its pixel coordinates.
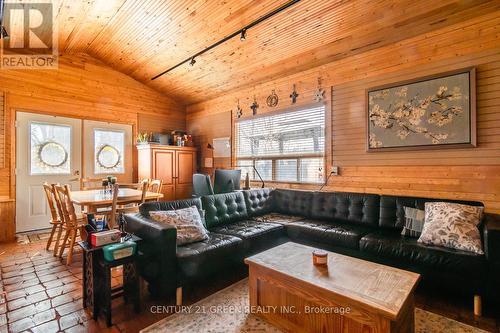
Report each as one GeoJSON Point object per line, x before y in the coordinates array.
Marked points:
{"type": "Point", "coordinates": [3, 33]}
{"type": "Point", "coordinates": [243, 36]}
{"type": "Point", "coordinates": [192, 62]}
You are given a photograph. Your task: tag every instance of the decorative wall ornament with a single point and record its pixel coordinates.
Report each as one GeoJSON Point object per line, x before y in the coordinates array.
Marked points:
{"type": "Point", "coordinates": [272, 100]}
{"type": "Point", "coordinates": [319, 93]}
{"type": "Point", "coordinates": [431, 112]}
{"type": "Point", "coordinates": [254, 105]}
{"type": "Point", "coordinates": [239, 110]}
{"type": "Point", "coordinates": [294, 95]}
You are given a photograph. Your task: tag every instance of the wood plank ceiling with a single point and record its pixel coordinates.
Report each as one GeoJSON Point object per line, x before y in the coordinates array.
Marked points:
{"type": "Point", "coordinates": [141, 38]}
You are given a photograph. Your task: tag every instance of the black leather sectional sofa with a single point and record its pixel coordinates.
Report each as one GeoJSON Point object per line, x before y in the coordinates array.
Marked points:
{"type": "Point", "coordinates": [366, 226]}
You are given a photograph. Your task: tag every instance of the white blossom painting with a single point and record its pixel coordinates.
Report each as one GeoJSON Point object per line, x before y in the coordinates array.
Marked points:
{"type": "Point", "coordinates": [427, 113]}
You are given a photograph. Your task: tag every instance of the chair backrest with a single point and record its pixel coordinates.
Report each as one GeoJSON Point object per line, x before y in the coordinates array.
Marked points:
{"type": "Point", "coordinates": [202, 185]}
{"type": "Point", "coordinates": [49, 193]}
{"type": "Point", "coordinates": [57, 200]}
{"type": "Point", "coordinates": [144, 188]}
{"type": "Point", "coordinates": [155, 186]}
{"type": "Point", "coordinates": [226, 181]}
{"type": "Point", "coordinates": [67, 207]}
{"type": "Point", "coordinates": [135, 186]}
{"type": "Point", "coordinates": [90, 183]}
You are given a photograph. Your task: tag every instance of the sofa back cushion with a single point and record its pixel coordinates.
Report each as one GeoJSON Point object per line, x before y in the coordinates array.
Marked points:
{"type": "Point", "coordinates": [224, 208]}
{"type": "Point", "coordinates": [258, 201]}
{"type": "Point", "coordinates": [359, 208]}
{"type": "Point", "coordinates": [392, 208]}
{"type": "Point", "coordinates": [293, 202]}
{"type": "Point", "coordinates": [146, 207]}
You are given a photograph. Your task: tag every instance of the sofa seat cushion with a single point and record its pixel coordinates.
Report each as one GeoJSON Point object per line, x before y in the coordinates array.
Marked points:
{"type": "Point", "coordinates": [257, 236]}
{"type": "Point", "coordinates": [278, 218]}
{"type": "Point", "coordinates": [391, 244]}
{"type": "Point", "coordinates": [248, 229]}
{"type": "Point", "coordinates": [331, 233]}
{"type": "Point", "coordinates": [206, 257]}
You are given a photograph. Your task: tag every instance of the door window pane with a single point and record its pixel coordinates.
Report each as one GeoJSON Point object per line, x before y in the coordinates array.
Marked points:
{"type": "Point", "coordinates": [50, 149]}
{"type": "Point", "coordinates": [108, 151]}
{"type": "Point", "coordinates": [286, 170]}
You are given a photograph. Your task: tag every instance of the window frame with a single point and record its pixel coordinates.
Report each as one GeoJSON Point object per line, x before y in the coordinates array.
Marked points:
{"type": "Point", "coordinates": [274, 158]}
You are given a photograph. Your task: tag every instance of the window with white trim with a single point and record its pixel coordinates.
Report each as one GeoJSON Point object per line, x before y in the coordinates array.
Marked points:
{"type": "Point", "coordinates": [284, 147]}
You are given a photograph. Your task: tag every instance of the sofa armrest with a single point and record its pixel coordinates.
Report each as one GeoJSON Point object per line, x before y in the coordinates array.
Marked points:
{"type": "Point", "coordinates": [159, 261]}
{"type": "Point", "coordinates": [491, 232]}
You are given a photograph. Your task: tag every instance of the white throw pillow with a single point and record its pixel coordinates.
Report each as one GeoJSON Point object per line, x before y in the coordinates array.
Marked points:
{"type": "Point", "coordinates": [187, 221]}
{"type": "Point", "coordinates": [452, 225]}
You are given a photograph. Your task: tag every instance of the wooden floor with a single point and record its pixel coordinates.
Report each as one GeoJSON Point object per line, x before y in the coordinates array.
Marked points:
{"type": "Point", "coordinates": [38, 293]}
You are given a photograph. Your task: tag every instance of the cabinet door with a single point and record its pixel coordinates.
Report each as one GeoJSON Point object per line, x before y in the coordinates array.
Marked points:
{"type": "Point", "coordinates": [164, 169]}
{"type": "Point", "coordinates": [186, 164]}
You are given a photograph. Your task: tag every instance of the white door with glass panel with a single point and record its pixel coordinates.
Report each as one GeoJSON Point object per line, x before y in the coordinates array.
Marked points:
{"type": "Point", "coordinates": [48, 149]}
{"type": "Point", "coordinates": [107, 150]}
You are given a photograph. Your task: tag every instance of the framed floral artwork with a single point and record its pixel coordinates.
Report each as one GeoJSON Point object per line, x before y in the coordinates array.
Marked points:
{"type": "Point", "coordinates": [438, 111]}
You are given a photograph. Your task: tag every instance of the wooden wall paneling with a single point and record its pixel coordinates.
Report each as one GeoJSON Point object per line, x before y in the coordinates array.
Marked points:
{"type": "Point", "coordinates": [470, 174]}
{"type": "Point", "coordinates": [205, 129]}
{"type": "Point", "coordinates": [159, 123]}
{"type": "Point", "coordinates": [7, 213]}
{"type": "Point", "coordinates": [3, 130]}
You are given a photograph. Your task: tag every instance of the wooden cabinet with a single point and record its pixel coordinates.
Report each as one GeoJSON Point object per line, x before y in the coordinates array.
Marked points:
{"type": "Point", "coordinates": [174, 165]}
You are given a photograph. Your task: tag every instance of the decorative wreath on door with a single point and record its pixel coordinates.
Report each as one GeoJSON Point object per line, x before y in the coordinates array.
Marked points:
{"type": "Point", "coordinates": [52, 154]}
{"type": "Point", "coordinates": [108, 157]}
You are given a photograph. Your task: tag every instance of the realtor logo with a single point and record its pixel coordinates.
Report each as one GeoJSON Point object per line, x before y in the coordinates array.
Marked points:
{"type": "Point", "coordinates": [28, 38]}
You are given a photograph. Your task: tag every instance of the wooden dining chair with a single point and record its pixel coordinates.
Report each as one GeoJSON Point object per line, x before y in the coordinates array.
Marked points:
{"type": "Point", "coordinates": [90, 183]}
{"type": "Point", "coordinates": [72, 224]}
{"type": "Point", "coordinates": [155, 186]}
{"type": "Point", "coordinates": [60, 212]}
{"type": "Point", "coordinates": [112, 214]}
{"type": "Point", "coordinates": [134, 207]}
{"type": "Point", "coordinates": [55, 219]}
{"type": "Point", "coordinates": [135, 186]}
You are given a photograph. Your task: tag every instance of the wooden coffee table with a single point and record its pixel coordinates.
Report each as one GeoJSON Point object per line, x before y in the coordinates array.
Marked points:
{"type": "Point", "coordinates": [350, 295]}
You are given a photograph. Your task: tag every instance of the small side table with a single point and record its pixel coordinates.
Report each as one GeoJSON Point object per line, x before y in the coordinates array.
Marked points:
{"type": "Point", "coordinates": [97, 291]}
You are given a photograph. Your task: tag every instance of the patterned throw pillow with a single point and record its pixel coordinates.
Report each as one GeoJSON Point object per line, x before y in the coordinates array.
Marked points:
{"type": "Point", "coordinates": [414, 222]}
{"type": "Point", "coordinates": [452, 225]}
{"type": "Point", "coordinates": [187, 221]}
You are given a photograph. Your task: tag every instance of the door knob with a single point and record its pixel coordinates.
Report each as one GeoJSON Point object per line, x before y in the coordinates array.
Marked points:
{"type": "Point", "coordinates": [76, 173]}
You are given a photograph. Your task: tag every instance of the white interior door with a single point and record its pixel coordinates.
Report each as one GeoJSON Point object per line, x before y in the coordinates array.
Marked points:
{"type": "Point", "coordinates": [107, 150]}
{"type": "Point", "coordinates": [48, 149]}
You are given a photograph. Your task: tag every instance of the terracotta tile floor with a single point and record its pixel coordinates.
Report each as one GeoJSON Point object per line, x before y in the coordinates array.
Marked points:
{"type": "Point", "coordinates": [39, 293]}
